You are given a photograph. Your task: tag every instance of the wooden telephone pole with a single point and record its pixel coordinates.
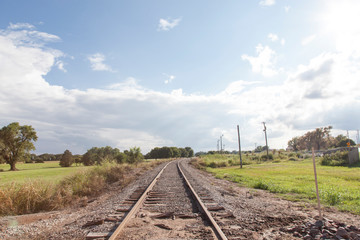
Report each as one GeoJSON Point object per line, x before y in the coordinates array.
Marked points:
{"type": "Point", "coordinates": [267, 148]}
{"type": "Point", "coordinates": [239, 145]}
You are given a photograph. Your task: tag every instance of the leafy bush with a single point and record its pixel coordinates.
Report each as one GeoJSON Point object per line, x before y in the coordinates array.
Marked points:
{"type": "Point", "coordinates": [261, 185]}
{"type": "Point", "coordinates": [292, 159]}
{"type": "Point", "coordinates": [217, 164]}
{"type": "Point", "coordinates": [331, 196]}
{"type": "Point", "coordinates": [339, 158]}
{"type": "Point", "coordinates": [264, 157]}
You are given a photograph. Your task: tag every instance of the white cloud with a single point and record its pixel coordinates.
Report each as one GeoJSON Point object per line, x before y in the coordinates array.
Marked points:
{"type": "Point", "coordinates": [273, 37]}
{"type": "Point", "coordinates": [60, 65]}
{"type": "Point", "coordinates": [308, 39]}
{"type": "Point", "coordinates": [169, 78]}
{"type": "Point", "coordinates": [282, 41]}
{"type": "Point", "coordinates": [167, 24]}
{"type": "Point", "coordinates": [97, 63]}
{"type": "Point", "coordinates": [267, 2]}
{"type": "Point", "coordinates": [287, 9]}
{"type": "Point", "coordinates": [264, 63]}
{"type": "Point", "coordinates": [15, 26]}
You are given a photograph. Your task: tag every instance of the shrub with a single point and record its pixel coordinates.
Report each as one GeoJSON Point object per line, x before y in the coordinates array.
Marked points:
{"type": "Point", "coordinates": [264, 157]}
{"type": "Point", "coordinates": [198, 163]}
{"type": "Point", "coordinates": [291, 154]}
{"type": "Point", "coordinates": [292, 159]}
{"type": "Point", "coordinates": [339, 158]}
{"type": "Point", "coordinates": [222, 164]}
{"type": "Point", "coordinates": [331, 196]}
{"type": "Point", "coordinates": [261, 185]}
{"type": "Point", "coordinates": [212, 165]}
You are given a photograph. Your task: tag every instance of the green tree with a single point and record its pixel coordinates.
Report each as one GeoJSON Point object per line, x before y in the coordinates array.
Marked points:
{"type": "Point", "coordinates": [121, 158]}
{"type": "Point", "coordinates": [16, 143]}
{"type": "Point", "coordinates": [294, 143]}
{"type": "Point", "coordinates": [66, 159]}
{"type": "Point", "coordinates": [134, 155]}
{"type": "Point", "coordinates": [190, 152]}
{"type": "Point", "coordinates": [344, 142]}
{"type": "Point", "coordinates": [183, 152]}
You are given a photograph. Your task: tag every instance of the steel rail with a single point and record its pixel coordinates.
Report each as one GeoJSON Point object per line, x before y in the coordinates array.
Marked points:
{"type": "Point", "coordinates": [136, 207]}
{"type": "Point", "coordinates": [218, 232]}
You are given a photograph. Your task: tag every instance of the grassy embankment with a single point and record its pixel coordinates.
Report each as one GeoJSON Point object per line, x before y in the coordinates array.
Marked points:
{"type": "Point", "coordinates": [47, 186]}
{"type": "Point", "coordinates": [293, 180]}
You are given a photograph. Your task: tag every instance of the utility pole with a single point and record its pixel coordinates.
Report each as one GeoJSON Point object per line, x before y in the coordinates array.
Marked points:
{"type": "Point", "coordinates": [267, 148]}
{"type": "Point", "coordinates": [239, 145]}
{"type": "Point", "coordinates": [221, 146]}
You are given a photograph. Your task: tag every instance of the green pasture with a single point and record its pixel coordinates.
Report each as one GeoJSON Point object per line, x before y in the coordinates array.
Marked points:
{"type": "Point", "coordinates": [46, 172]}
{"type": "Point", "coordinates": [294, 180]}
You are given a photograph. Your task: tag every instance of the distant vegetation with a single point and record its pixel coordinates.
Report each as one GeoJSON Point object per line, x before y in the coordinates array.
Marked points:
{"type": "Point", "coordinates": [319, 139]}
{"type": "Point", "coordinates": [170, 152]}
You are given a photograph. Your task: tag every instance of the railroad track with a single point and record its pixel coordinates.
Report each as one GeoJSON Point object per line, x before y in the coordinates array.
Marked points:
{"type": "Point", "coordinates": [172, 206]}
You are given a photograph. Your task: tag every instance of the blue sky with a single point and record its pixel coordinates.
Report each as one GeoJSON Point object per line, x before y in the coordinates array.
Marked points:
{"type": "Point", "coordinates": [178, 73]}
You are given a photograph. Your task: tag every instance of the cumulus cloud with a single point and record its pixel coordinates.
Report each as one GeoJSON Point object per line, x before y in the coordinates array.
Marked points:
{"type": "Point", "coordinates": [264, 63]}
{"type": "Point", "coordinates": [267, 2]}
{"type": "Point", "coordinates": [97, 62]}
{"type": "Point", "coordinates": [168, 24]}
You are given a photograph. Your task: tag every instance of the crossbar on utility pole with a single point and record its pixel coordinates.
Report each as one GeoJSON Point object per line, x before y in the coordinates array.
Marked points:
{"type": "Point", "coordinates": [239, 145]}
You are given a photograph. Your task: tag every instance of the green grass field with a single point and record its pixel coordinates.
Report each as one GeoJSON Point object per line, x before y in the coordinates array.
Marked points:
{"type": "Point", "coordinates": [294, 180]}
{"type": "Point", "coordinates": [46, 172]}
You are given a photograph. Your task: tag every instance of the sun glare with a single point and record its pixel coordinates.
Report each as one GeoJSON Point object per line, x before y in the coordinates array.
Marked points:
{"type": "Point", "coordinates": [340, 19]}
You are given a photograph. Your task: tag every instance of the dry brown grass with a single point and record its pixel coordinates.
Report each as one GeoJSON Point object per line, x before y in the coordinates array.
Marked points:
{"type": "Point", "coordinates": [35, 196]}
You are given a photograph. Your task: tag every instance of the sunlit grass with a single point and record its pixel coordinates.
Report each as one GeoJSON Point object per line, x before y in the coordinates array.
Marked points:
{"type": "Point", "coordinates": [46, 172]}
{"type": "Point", "coordinates": [338, 186]}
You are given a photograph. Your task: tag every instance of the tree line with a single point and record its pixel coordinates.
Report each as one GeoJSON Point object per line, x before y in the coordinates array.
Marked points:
{"type": "Point", "coordinates": [17, 141]}
{"type": "Point", "coordinates": [169, 152]}
{"type": "Point", "coordinates": [319, 138]}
